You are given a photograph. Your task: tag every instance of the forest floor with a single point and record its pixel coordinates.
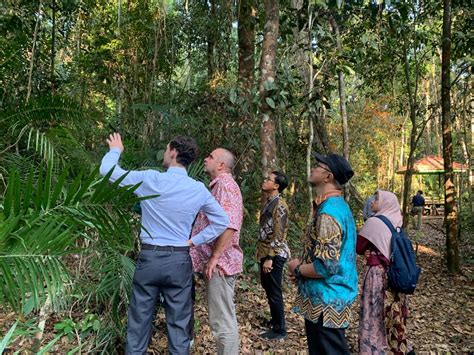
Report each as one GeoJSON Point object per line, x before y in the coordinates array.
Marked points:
{"type": "Point", "coordinates": [441, 310]}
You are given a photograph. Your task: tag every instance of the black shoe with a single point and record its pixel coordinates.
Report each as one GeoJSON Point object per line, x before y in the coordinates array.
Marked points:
{"type": "Point", "coordinates": [272, 335]}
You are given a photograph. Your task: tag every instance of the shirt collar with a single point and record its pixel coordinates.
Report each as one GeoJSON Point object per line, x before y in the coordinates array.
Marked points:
{"type": "Point", "coordinates": [177, 170]}
{"type": "Point", "coordinates": [320, 199]}
{"type": "Point", "coordinates": [219, 177]}
{"type": "Point", "coordinates": [271, 199]}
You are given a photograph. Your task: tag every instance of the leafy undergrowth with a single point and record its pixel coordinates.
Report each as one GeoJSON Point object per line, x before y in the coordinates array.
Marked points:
{"type": "Point", "coordinates": [440, 322]}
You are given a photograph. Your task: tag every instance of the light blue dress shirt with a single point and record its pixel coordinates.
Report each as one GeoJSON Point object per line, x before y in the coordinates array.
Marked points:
{"type": "Point", "coordinates": [168, 218]}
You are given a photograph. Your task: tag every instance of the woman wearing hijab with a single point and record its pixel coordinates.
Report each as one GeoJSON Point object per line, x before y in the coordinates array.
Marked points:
{"type": "Point", "coordinates": [383, 314]}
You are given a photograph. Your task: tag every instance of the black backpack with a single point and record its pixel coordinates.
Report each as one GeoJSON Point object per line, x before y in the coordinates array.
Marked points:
{"type": "Point", "coordinates": [403, 273]}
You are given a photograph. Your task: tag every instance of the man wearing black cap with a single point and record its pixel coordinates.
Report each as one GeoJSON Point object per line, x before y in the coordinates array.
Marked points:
{"type": "Point", "coordinates": [326, 275]}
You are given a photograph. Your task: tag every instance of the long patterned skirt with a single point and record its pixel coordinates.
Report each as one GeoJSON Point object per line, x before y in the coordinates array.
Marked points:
{"type": "Point", "coordinates": [383, 314]}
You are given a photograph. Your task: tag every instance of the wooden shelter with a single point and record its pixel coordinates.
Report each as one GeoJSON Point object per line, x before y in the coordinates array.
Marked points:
{"type": "Point", "coordinates": [434, 165]}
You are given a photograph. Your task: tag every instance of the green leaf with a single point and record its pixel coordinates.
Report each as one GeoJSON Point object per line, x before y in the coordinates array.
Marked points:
{"type": "Point", "coordinates": [270, 102]}
{"type": "Point", "coordinates": [233, 96]}
{"type": "Point", "coordinates": [6, 339]}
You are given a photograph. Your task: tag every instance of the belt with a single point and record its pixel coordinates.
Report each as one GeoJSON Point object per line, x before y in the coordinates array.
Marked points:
{"type": "Point", "coordinates": [163, 248]}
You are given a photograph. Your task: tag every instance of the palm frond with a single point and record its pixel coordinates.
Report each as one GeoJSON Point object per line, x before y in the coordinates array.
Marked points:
{"type": "Point", "coordinates": [42, 217]}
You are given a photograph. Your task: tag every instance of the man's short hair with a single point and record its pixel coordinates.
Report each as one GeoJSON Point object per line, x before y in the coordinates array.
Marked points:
{"type": "Point", "coordinates": [187, 149]}
{"type": "Point", "coordinates": [420, 192]}
{"type": "Point", "coordinates": [280, 179]}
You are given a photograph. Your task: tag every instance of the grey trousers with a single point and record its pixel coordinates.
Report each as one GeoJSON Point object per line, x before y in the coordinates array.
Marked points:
{"type": "Point", "coordinates": [222, 317]}
{"type": "Point", "coordinates": [168, 273]}
{"type": "Point", "coordinates": [419, 215]}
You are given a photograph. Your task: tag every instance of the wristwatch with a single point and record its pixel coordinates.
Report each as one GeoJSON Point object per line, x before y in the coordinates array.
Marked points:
{"type": "Point", "coordinates": [297, 272]}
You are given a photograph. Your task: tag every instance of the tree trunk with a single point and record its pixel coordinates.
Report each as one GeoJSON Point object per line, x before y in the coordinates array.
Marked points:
{"type": "Point", "coordinates": [411, 159]}
{"type": "Point", "coordinates": [224, 41]}
{"type": "Point", "coordinates": [33, 51]}
{"type": "Point", "coordinates": [211, 41]}
{"type": "Point", "coordinates": [467, 139]}
{"type": "Point", "coordinates": [53, 45]}
{"type": "Point", "coordinates": [246, 40]}
{"type": "Point", "coordinates": [450, 209]}
{"type": "Point", "coordinates": [342, 99]}
{"type": "Point", "coordinates": [268, 72]}
{"type": "Point", "coordinates": [302, 46]}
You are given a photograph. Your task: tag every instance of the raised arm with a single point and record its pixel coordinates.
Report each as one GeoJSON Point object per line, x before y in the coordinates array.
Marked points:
{"type": "Point", "coordinates": [110, 161]}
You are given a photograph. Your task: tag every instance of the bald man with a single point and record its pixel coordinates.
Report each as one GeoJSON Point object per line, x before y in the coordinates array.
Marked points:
{"type": "Point", "coordinates": [221, 261]}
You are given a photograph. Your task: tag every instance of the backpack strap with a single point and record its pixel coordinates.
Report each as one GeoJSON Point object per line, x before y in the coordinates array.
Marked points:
{"type": "Point", "coordinates": [387, 223]}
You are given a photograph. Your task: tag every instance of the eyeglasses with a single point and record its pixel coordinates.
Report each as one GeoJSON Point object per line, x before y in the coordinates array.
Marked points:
{"type": "Point", "coordinates": [322, 167]}
{"type": "Point", "coordinates": [268, 179]}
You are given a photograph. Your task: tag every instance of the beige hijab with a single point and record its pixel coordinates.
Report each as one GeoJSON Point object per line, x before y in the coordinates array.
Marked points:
{"type": "Point", "coordinates": [374, 230]}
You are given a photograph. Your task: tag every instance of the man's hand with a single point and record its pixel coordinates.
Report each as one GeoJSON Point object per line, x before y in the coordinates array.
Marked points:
{"type": "Point", "coordinates": [115, 141]}
{"type": "Point", "coordinates": [190, 243]}
{"type": "Point", "coordinates": [267, 266]}
{"type": "Point", "coordinates": [210, 267]}
{"type": "Point", "coordinates": [292, 278]}
{"type": "Point", "coordinates": [292, 266]}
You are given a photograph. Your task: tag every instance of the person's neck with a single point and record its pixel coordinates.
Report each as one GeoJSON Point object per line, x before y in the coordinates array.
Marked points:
{"type": "Point", "coordinates": [272, 194]}
{"type": "Point", "coordinates": [221, 172]}
{"type": "Point", "coordinates": [175, 164]}
{"type": "Point", "coordinates": [325, 189]}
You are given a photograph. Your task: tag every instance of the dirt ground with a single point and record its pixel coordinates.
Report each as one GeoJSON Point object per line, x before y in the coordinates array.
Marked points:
{"type": "Point", "coordinates": [441, 311]}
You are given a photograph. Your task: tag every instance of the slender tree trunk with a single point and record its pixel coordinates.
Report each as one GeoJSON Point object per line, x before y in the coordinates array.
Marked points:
{"type": "Point", "coordinates": [342, 99]}
{"type": "Point", "coordinates": [450, 209]}
{"type": "Point", "coordinates": [225, 40]}
{"type": "Point", "coordinates": [119, 80]}
{"type": "Point", "coordinates": [302, 43]}
{"type": "Point", "coordinates": [33, 51]}
{"type": "Point", "coordinates": [246, 41]}
{"type": "Point", "coordinates": [467, 139]}
{"type": "Point", "coordinates": [211, 41]}
{"type": "Point", "coordinates": [436, 98]}
{"type": "Point", "coordinates": [428, 146]}
{"type": "Point", "coordinates": [53, 45]}
{"type": "Point", "coordinates": [268, 72]}
{"type": "Point", "coordinates": [413, 132]}
{"type": "Point", "coordinates": [392, 177]}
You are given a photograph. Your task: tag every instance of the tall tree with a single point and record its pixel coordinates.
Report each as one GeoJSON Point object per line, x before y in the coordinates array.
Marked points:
{"type": "Point", "coordinates": [342, 97]}
{"type": "Point", "coordinates": [267, 82]}
{"type": "Point", "coordinates": [246, 34]}
{"type": "Point", "coordinates": [450, 209]}
{"type": "Point", "coordinates": [53, 44]}
{"type": "Point", "coordinates": [33, 51]}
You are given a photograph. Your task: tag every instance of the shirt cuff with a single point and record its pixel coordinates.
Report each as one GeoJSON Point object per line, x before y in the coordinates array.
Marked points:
{"type": "Point", "coordinates": [198, 239]}
{"type": "Point", "coordinates": [116, 150]}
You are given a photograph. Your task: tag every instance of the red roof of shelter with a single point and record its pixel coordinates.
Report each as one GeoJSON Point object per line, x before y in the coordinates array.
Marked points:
{"type": "Point", "coordinates": [430, 164]}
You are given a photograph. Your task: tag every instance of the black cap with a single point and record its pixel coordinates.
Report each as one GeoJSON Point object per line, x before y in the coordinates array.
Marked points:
{"type": "Point", "coordinates": [339, 166]}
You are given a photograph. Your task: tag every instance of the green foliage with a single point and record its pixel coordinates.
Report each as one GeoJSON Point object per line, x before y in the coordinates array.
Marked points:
{"type": "Point", "coordinates": [153, 70]}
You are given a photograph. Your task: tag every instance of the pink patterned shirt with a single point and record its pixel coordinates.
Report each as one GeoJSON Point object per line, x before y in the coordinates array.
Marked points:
{"type": "Point", "coordinates": [227, 193]}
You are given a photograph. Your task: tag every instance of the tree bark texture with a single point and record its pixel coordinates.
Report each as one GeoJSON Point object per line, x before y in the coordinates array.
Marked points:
{"type": "Point", "coordinates": [268, 72]}
{"type": "Point", "coordinates": [451, 214]}
{"type": "Point", "coordinates": [413, 131]}
{"type": "Point", "coordinates": [342, 99]}
{"type": "Point", "coordinates": [211, 41]}
{"type": "Point", "coordinates": [33, 51]}
{"type": "Point", "coordinates": [246, 41]}
{"type": "Point", "coordinates": [53, 45]}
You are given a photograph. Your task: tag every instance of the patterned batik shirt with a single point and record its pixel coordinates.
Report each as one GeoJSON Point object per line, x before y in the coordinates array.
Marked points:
{"type": "Point", "coordinates": [227, 193]}
{"type": "Point", "coordinates": [273, 230]}
{"type": "Point", "coordinates": [329, 245]}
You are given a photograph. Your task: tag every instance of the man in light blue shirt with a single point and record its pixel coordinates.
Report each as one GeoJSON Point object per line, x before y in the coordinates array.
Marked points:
{"type": "Point", "coordinates": [164, 265]}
